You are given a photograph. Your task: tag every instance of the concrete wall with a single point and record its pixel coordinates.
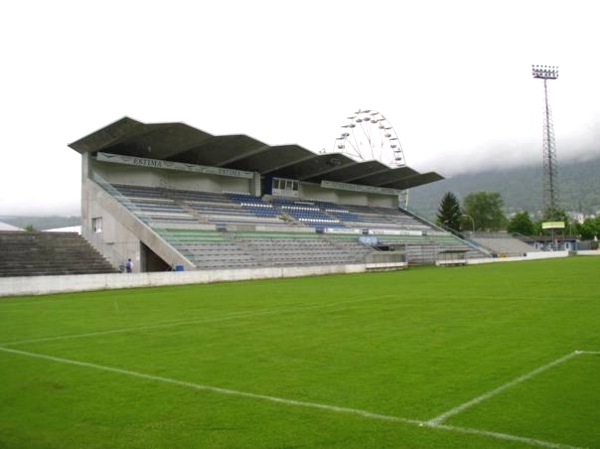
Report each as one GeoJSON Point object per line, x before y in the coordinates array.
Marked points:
{"type": "Point", "coordinates": [122, 232]}
{"type": "Point", "coordinates": [152, 177]}
{"type": "Point", "coordinates": [388, 201]}
{"type": "Point", "coordinates": [41, 285]}
{"type": "Point", "coordinates": [352, 198]}
{"type": "Point", "coordinates": [590, 252]}
{"type": "Point", "coordinates": [316, 192]}
{"type": "Point", "coordinates": [530, 256]}
{"type": "Point", "coordinates": [116, 242]}
{"type": "Point", "coordinates": [385, 256]}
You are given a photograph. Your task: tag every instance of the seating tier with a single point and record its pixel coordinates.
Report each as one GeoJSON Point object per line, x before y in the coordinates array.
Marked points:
{"type": "Point", "coordinates": [49, 253]}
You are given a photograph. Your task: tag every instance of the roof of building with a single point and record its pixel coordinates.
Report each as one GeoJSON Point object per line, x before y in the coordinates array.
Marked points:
{"type": "Point", "coordinates": [76, 229]}
{"type": "Point", "coordinates": [178, 142]}
{"type": "Point", "coordinates": [8, 227]}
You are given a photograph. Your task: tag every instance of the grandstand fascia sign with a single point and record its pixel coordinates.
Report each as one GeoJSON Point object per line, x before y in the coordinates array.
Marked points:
{"type": "Point", "coordinates": [168, 165]}
{"type": "Point", "coordinates": [404, 232]}
{"type": "Point", "coordinates": [359, 188]}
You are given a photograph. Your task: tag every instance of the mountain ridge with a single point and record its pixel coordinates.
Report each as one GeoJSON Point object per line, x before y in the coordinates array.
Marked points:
{"type": "Point", "coordinates": [521, 188]}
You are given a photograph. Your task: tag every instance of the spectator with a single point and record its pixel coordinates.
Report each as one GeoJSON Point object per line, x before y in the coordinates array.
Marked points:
{"type": "Point", "coordinates": [129, 266]}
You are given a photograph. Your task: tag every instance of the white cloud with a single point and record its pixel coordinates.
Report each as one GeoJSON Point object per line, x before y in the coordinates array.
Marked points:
{"type": "Point", "coordinates": [452, 77]}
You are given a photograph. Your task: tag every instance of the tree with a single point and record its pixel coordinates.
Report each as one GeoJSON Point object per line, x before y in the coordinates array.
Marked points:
{"type": "Point", "coordinates": [589, 229]}
{"type": "Point", "coordinates": [449, 212]}
{"type": "Point", "coordinates": [30, 228]}
{"type": "Point", "coordinates": [521, 223]}
{"type": "Point", "coordinates": [485, 210]}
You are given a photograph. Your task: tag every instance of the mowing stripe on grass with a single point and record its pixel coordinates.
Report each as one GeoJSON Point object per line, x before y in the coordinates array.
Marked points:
{"type": "Point", "coordinates": [290, 402]}
{"type": "Point", "coordinates": [440, 418]}
{"type": "Point", "coordinates": [195, 321]}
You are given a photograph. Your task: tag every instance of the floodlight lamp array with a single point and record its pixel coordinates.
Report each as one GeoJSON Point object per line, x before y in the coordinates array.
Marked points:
{"type": "Point", "coordinates": [546, 72]}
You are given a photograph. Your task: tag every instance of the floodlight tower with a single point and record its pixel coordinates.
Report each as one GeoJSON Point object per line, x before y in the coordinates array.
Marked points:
{"type": "Point", "coordinates": [546, 72]}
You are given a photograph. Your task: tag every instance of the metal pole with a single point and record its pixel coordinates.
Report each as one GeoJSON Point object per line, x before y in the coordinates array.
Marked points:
{"type": "Point", "coordinates": [472, 221]}
{"type": "Point", "coordinates": [550, 181]}
{"type": "Point", "coordinates": [548, 149]}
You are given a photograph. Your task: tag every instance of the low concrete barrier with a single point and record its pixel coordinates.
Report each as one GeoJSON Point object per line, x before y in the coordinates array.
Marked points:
{"type": "Point", "coordinates": [451, 262]}
{"type": "Point", "coordinates": [529, 256]}
{"type": "Point", "coordinates": [386, 260]}
{"type": "Point", "coordinates": [589, 252]}
{"type": "Point", "coordinates": [41, 285]}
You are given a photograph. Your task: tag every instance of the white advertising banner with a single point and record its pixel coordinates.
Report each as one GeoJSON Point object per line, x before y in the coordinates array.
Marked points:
{"type": "Point", "coordinates": [342, 231]}
{"type": "Point", "coordinates": [394, 232]}
{"type": "Point", "coordinates": [168, 165]}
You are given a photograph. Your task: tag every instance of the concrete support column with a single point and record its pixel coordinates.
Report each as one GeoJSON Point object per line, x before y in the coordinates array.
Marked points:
{"type": "Point", "coordinates": [255, 187]}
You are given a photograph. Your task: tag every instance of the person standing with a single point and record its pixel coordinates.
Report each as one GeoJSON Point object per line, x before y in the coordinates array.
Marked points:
{"type": "Point", "coordinates": [129, 266]}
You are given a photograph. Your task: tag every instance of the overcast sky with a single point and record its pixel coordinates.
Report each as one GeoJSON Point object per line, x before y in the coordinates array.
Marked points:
{"type": "Point", "coordinates": [452, 77]}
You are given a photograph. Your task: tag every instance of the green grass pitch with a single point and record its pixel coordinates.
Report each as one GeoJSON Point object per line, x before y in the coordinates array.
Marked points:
{"type": "Point", "coordinates": [491, 356]}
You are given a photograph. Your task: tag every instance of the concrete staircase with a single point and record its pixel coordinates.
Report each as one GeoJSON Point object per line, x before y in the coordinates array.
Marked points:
{"type": "Point", "coordinates": [49, 253]}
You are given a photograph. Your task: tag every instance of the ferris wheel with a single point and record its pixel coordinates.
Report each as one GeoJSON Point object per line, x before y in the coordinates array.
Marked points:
{"type": "Point", "coordinates": [367, 135]}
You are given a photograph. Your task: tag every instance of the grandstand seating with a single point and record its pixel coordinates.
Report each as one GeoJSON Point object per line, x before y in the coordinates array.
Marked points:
{"type": "Point", "coordinates": [296, 249]}
{"type": "Point", "coordinates": [255, 205]}
{"type": "Point", "coordinates": [423, 249]}
{"type": "Point", "coordinates": [371, 217]}
{"type": "Point", "coordinates": [151, 205]}
{"type": "Point", "coordinates": [208, 249]}
{"type": "Point", "coordinates": [307, 213]}
{"type": "Point", "coordinates": [188, 221]}
{"type": "Point", "coordinates": [164, 206]}
{"type": "Point", "coordinates": [214, 249]}
{"type": "Point", "coordinates": [161, 207]}
{"type": "Point", "coordinates": [49, 253]}
{"type": "Point", "coordinates": [502, 244]}
{"type": "Point", "coordinates": [228, 208]}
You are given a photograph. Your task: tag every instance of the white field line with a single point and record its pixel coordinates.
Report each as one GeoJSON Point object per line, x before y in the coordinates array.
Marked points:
{"type": "Point", "coordinates": [212, 389]}
{"type": "Point", "coordinates": [441, 418]}
{"type": "Point", "coordinates": [504, 436]}
{"type": "Point", "coordinates": [289, 402]}
{"type": "Point", "coordinates": [193, 321]}
{"type": "Point", "coordinates": [588, 352]}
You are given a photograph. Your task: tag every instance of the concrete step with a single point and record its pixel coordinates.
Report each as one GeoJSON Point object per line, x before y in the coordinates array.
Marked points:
{"type": "Point", "coordinates": [47, 253]}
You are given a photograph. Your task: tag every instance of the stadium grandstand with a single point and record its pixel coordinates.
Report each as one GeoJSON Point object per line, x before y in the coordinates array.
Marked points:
{"type": "Point", "coordinates": [172, 197]}
{"type": "Point", "coordinates": [502, 244]}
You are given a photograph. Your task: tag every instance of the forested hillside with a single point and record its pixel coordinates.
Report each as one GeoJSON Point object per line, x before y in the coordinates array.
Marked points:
{"type": "Point", "coordinates": [520, 188]}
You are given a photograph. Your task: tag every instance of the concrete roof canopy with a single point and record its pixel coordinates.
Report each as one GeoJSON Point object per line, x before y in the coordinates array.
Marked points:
{"type": "Point", "coordinates": [178, 142]}
{"type": "Point", "coordinates": [220, 151]}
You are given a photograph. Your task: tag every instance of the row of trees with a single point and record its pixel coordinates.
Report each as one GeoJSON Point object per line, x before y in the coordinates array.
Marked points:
{"type": "Point", "coordinates": [482, 211]}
